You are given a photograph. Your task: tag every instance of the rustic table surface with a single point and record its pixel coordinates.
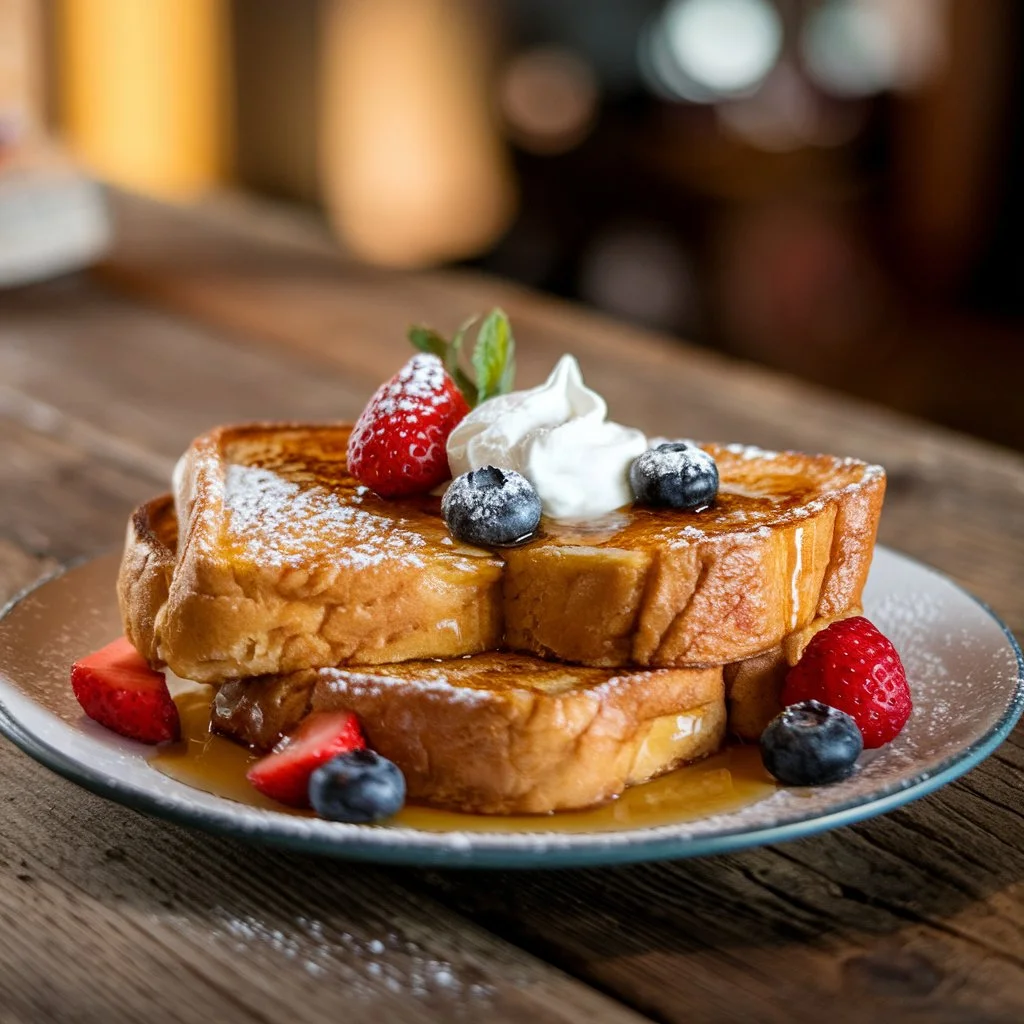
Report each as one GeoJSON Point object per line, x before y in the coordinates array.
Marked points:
{"type": "Point", "coordinates": [220, 314]}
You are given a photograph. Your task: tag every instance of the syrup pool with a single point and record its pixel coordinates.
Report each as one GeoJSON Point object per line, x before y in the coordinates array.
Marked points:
{"type": "Point", "coordinates": [720, 784]}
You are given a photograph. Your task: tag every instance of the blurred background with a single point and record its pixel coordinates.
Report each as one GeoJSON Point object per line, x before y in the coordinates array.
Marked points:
{"type": "Point", "coordinates": [827, 187]}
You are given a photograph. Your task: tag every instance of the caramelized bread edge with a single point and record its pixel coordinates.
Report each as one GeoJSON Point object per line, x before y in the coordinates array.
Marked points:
{"type": "Point", "coordinates": [723, 598]}
{"type": "Point", "coordinates": [718, 601]}
{"type": "Point", "coordinates": [514, 750]}
{"type": "Point", "coordinates": [222, 612]}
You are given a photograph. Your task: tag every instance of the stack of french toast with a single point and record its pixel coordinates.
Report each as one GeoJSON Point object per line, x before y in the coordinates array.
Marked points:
{"type": "Point", "coordinates": [546, 675]}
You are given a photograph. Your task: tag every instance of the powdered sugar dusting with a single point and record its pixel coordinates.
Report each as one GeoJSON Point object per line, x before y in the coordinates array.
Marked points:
{"type": "Point", "coordinates": [366, 963]}
{"type": "Point", "coordinates": [421, 380]}
{"type": "Point", "coordinates": [433, 682]}
{"type": "Point", "coordinates": [448, 680]}
{"type": "Point", "coordinates": [687, 462]}
{"type": "Point", "coordinates": [767, 489]}
{"type": "Point", "coordinates": [752, 453]}
{"type": "Point", "coordinates": [279, 523]}
{"type": "Point", "coordinates": [485, 503]}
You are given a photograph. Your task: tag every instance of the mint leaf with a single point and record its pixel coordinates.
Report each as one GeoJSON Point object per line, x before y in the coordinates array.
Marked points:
{"type": "Point", "coordinates": [465, 385]}
{"type": "Point", "coordinates": [428, 340]}
{"type": "Point", "coordinates": [455, 348]}
{"type": "Point", "coordinates": [494, 356]}
{"type": "Point", "coordinates": [462, 380]}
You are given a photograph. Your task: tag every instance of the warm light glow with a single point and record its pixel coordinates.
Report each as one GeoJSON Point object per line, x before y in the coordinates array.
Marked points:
{"type": "Point", "coordinates": [413, 169]}
{"type": "Point", "coordinates": [725, 46]}
{"type": "Point", "coordinates": [142, 91]}
{"type": "Point", "coordinates": [783, 115]}
{"type": "Point", "coordinates": [21, 61]}
{"type": "Point", "coordinates": [850, 48]}
{"type": "Point", "coordinates": [919, 28]}
{"type": "Point", "coordinates": [786, 114]}
{"type": "Point", "coordinates": [660, 70]}
{"type": "Point", "coordinates": [549, 98]}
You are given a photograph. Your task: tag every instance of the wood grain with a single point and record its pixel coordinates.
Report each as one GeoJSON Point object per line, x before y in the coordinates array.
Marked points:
{"type": "Point", "coordinates": [138, 920]}
{"type": "Point", "coordinates": [148, 921]}
{"type": "Point", "coordinates": [917, 916]}
{"type": "Point", "coordinates": [290, 288]}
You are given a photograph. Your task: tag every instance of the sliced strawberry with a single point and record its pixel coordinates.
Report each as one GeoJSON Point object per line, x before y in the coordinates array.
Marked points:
{"type": "Point", "coordinates": [397, 446]}
{"type": "Point", "coordinates": [284, 774]}
{"type": "Point", "coordinates": [117, 688]}
{"type": "Point", "coordinates": [851, 666]}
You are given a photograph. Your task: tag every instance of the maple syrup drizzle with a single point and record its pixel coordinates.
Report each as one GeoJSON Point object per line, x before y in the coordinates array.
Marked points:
{"type": "Point", "coordinates": [725, 782]}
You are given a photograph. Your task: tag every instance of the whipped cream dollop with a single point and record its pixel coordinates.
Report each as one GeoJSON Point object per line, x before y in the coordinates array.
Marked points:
{"type": "Point", "coordinates": [557, 435]}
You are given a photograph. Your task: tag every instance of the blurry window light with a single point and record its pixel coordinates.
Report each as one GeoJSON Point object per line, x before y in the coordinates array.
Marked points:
{"type": "Point", "coordinates": [413, 167]}
{"type": "Point", "coordinates": [548, 97]}
{"type": "Point", "coordinates": [786, 114]}
{"type": "Point", "coordinates": [782, 116]}
{"type": "Point", "coordinates": [850, 48]}
{"type": "Point", "coordinates": [919, 30]}
{"type": "Point", "coordinates": [660, 71]}
{"type": "Point", "coordinates": [720, 47]}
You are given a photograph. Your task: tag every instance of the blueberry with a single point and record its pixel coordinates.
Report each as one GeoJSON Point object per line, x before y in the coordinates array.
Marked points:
{"type": "Point", "coordinates": [359, 786]}
{"type": "Point", "coordinates": [811, 744]}
{"type": "Point", "coordinates": [490, 506]}
{"type": "Point", "coordinates": [675, 474]}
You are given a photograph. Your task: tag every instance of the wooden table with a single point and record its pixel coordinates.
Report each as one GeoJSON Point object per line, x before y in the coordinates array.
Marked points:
{"type": "Point", "coordinates": [215, 315]}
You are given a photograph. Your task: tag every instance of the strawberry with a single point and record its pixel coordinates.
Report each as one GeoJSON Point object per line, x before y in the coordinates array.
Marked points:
{"type": "Point", "coordinates": [117, 688]}
{"type": "Point", "coordinates": [851, 666]}
{"type": "Point", "coordinates": [283, 775]}
{"type": "Point", "coordinates": [397, 447]}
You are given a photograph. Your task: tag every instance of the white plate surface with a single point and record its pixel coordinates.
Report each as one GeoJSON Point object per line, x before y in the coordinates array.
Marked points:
{"type": "Point", "coordinates": [964, 667]}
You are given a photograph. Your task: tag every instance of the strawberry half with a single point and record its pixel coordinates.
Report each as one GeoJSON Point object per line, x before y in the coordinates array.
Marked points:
{"type": "Point", "coordinates": [397, 446]}
{"type": "Point", "coordinates": [117, 688]}
{"type": "Point", "coordinates": [851, 666]}
{"type": "Point", "coordinates": [284, 774]}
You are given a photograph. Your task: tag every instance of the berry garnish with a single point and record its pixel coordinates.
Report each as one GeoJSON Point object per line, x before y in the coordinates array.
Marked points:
{"type": "Point", "coordinates": [850, 665]}
{"type": "Point", "coordinates": [811, 744]}
{"type": "Point", "coordinates": [491, 506]}
{"type": "Point", "coordinates": [359, 787]}
{"type": "Point", "coordinates": [397, 446]}
{"type": "Point", "coordinates": [284, 774]}
{"type": "Point", "coordinates": [117, 688]}
{"type": "Point", "coordinates": [676, 474]}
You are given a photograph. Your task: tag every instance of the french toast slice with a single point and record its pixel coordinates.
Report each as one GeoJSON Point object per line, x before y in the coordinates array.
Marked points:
{"type": "Point", "coordinates": [147, 566]}
{"type": "Point", "coordinates": [499, 733]}
{"type": "Point", "coordinates": [285, 562]}
{"type": "Point", "coordinates": [788, 540]}
{"type": "Point", "coordinates": [272, 706]}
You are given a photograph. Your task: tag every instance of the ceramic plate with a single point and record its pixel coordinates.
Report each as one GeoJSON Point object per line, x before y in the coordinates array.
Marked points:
{"type": "Point", "coordinates": [964, 666]}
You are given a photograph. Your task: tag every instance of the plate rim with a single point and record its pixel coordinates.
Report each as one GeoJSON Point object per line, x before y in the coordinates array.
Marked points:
{"type": "Point", "coordinates": [369, 843]}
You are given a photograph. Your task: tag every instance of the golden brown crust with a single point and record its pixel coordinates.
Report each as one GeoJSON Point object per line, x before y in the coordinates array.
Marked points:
{"type": "Point", "coordinates": [789, 540]}
{"type": "Point", "coordinates": [754, 686]}
{"type": "Point", "coordinates": [261, 587]}
{"type": "Point", "coordinates": [504, 733]}
{"type": "Point", "coordinates": [147, 566]}
{"type": "Point", "coordinates": [501, 733]}
{"type": "Point", "coordinates": [303, 568]}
